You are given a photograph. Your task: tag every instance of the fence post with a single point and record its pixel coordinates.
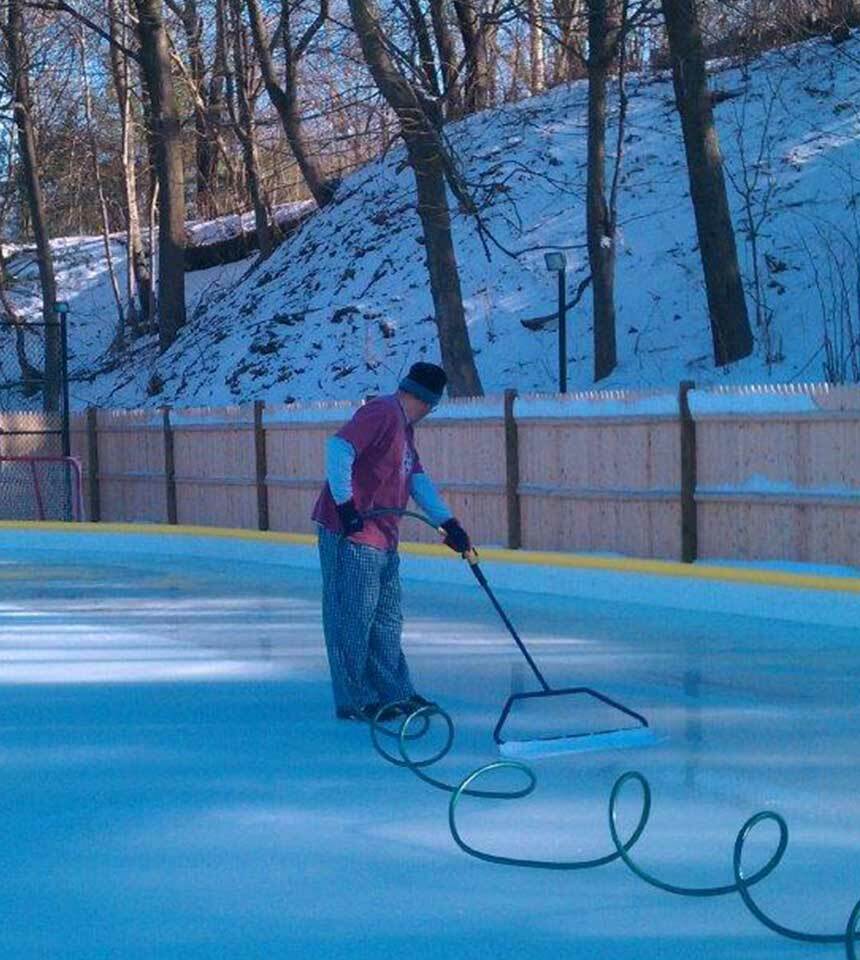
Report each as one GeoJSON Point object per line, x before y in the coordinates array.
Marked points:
{"type": "Point", "coordinates": [94, 492]}
{"type": "Point", "coordinates": [689, 517]}
{"type": "Point", "coordinates": [262, 466]}
{"type": "Point", "coordinates": [61, 309]}
{"type": "Point", "coordinates": [169, 465]}
{"type": "Point", "coordinates": [512, 473]}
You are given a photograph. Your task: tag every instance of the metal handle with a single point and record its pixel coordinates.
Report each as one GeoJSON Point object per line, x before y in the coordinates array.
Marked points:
{"type": "Point", "coordinates": [479, 576]}
{"type": "Point", "coordinates": [471, 556]}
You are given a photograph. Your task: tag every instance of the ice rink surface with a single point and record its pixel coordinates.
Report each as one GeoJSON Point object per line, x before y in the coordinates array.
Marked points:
{"type": "Point", "coordinates": [175, 784]}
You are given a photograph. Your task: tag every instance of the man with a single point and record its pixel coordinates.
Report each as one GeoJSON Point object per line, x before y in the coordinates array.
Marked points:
{"type": "Point", "coordinates": [372, 463]}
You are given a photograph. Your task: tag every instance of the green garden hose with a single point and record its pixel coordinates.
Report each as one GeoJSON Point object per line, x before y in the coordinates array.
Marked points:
{"type": "Point", "coordinates": [742, 883]}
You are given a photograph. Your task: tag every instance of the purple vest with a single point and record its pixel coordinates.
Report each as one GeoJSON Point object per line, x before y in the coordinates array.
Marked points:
{"type": "Point", "coordinates": [385, 459]}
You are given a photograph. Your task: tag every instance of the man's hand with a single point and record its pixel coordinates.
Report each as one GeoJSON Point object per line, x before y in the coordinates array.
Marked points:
{"type": "Point", "coordinates": [457, 538]}
{"type": "Point", "coordinates": [350, 519]}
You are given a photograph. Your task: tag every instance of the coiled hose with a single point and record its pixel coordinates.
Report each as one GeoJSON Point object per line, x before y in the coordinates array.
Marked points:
{"type": "Point", "coordinates": [742, 883]}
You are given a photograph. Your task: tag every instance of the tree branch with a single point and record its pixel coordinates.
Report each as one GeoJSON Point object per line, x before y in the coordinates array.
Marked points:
{"type": "Point", "coordinates": [63, 7]}
{"type": "Point", "coordinates": [311, 31]}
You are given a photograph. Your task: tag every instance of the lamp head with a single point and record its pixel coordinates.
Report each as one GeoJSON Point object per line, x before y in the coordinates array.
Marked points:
{"type": "Point", "coordinates": [555, 261]}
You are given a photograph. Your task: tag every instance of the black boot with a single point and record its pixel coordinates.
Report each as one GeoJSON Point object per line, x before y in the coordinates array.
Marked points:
{"type": "Point", "coordinates": [368, 714]}
{"type": "Point", "coordinates": [389, 713]}
{"type": "Point", "coordinates": [415, 702]}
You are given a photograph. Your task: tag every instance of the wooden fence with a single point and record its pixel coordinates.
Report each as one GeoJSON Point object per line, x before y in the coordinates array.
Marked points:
{"type": "Point", "coordinates": [769, 473]}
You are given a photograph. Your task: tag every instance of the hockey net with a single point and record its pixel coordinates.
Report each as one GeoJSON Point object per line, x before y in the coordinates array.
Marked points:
{"type": "Point", "coordinates": [40, 488]}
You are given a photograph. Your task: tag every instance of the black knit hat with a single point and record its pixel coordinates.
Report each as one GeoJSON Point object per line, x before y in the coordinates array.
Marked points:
{"type": "Point", "coordinates": [425, 381]}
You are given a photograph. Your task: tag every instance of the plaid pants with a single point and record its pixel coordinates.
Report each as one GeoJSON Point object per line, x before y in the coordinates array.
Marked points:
{"type": "Point", "coordinates": [362, 622]}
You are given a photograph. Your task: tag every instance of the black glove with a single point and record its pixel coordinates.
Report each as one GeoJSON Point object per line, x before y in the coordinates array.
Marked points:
{"type": "Point", "coordinates": [457, 538]}
{"type": "Point", "coordinates": [350, 519]}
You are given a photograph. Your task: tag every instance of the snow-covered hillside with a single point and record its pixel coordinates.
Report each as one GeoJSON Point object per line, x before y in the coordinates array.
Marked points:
{"type": "Point", "coordinates": [343, 307]}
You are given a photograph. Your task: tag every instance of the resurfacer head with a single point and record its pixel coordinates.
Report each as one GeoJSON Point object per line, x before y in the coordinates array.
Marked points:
{"type": "Point", "coordinates": [577, 719]}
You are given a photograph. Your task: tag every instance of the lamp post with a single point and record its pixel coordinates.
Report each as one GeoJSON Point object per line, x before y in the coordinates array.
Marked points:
{"type": "Point", "coordinates": [557, 263]}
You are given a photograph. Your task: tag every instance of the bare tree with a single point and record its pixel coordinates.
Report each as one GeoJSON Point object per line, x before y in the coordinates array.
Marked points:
{"type": "Point", "coordinates": [426, 157]}
{"type": "Point", "coordinates": [604, 30]}
{"type": "Point", "coordinates": [215, 139]}
{"type": "Point", "coordinates": [165, 132]}
{"type": "Point", "coordinates": [17, 58]}
{"type": "Point", "coordinates": [209, 150]}
{"type": "Point", "coordinates": [426, 53]}
{"type": "Point", "coordinates": [570, 36]}
{"type": "Point", "coordinates": [241, 99]}
{"type": "Point", "coordinates": [286, 98]}
{"type": "Point", "coordinates": [477, 82]}
{"type": "Point", "coordinates": [537, 61]}
{"type": "Point", "coordinates": [100, 191]}
{"type": "Point", "coordinates": [208, 100]}
{"type": "Point", "coordinates": [755, 184]}
{"type": "Point", "coordinates": [447, 53]}
{"type": "Point", "coordinates": [730, 327]}
{"type": "Point", "coordinates": [748, 27]}
{"type": "Point", "coordinates": [139, 276]}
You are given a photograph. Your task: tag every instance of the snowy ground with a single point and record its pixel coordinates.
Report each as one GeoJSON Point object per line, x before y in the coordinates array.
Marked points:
{"type": "Point", "coordinates": [343, 307]}
{"type": "Point", "coordinates": [174, 784]}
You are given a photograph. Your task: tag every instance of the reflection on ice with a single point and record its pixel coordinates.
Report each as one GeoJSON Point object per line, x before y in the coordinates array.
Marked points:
{"type": "Point", "coordinates": [81, 623]}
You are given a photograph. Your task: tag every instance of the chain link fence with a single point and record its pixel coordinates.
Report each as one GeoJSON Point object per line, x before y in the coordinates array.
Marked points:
{"type": "Point", "coordinates": [33, 379]}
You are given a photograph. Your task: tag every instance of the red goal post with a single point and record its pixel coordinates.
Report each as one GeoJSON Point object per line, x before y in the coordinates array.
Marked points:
{"type": "Point", "coordinates": [41, 488]}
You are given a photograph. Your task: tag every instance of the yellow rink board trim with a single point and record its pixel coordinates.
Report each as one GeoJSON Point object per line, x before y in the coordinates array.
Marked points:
{"type": "Point", "coordinates": [570, 561]}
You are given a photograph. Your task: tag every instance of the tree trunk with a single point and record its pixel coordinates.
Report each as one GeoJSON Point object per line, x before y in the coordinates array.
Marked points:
{"type": "Point", "coordinates": [730, 327]}
{"type": "Point", "coordinates": [537, 66]}
{"type": "Point", "coordinates": [166, 133]}
{"type": "Point", "coordinates": [207, 105]}
{"type": "Point", "coordinates": [152, 226]}
{"type": "Point", "coordinates": [476, 86]}
{"type": "Point", "coordinates": [425, 48]}
{"type": "Point", "coordinates": [569, 19]}
{"type": "Point", "coordinates": [119, 340]}
{"type": "Point", "coordinates": [208, 151]}
{"type": "Point", "coordinates": [244, 126]}
{"type": "Point", "coordinates": [205, 158]}
{"type": "Point", "coordinates": [285, 99]}
{"type": "Point", "coordinates": [603, 30]}
{"type": "Point", "coordinates": [428, 165]}
{"type": "Point", "coordinates": [519, 71]}
{"type": "Point", "coordinates": [16, 53]}
{"type": "Point", "coordinates": [139, 274]}
{"type": "Point", "coordinates": [447, 58]}
{"type": "Point", "coordinates": [455, 348]}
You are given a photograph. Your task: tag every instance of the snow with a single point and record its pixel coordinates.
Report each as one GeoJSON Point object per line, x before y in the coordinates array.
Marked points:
{"type": "Point", "coordinates": [485, 408]}
{"type": "Point", "coordinates": [337, 412]}
{"type": "Point", "coordinates": [234, 416]}
{"type": "Point", "coordinates": [205, 232]}
{"type": "Point", "coordinates": [757, 399]}
{"type": "Point", "coordinates": [603, 404]}
{"type": "Point", "coordinates": [176, 786]}
{"type": "Point", "coordinates": [343, 307]}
